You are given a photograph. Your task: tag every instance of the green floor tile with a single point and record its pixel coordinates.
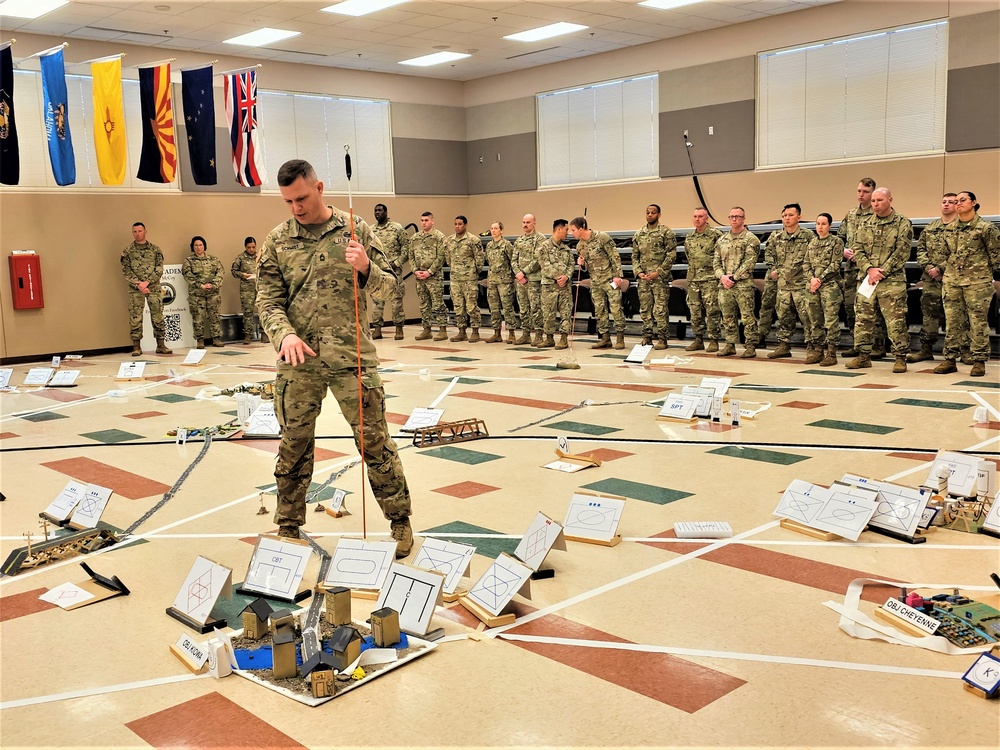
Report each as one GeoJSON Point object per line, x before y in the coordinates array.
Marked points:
{"type": "Point", "coordinates": [547, 368]}
{"type": "Point", "coordinates": [932, 404]}
{"type": "Point", "coordinates": [531, 349]}
{"type": "Point", "coordinates": [620, 357]}
{"type": "Point", "coordinates": [490, 547]}
{"type": "Point", "coordinates": [460, 455]}
{"type": "Point", "coordinates": [767, 388]}
{"type": "Point", "coordinates": [171, 398]}
{"type": "Point", "coordinates": [979, 383]}
{"type": "Point", "coordinates": [231, 413]}
{"type": "Point", "coordinates": [44, 416]}
{"type": "Point", "coordinates": [834, 373]}
{"type": "Point", "coordinates": [456, 359]}
{"type": "Point", "coordinates": [646, 492]}
{"type": "Point", "coordinates": [759, 454]}
{"type": "Point", "coordinates": [112, 436]}
{"type": "Point", "coordinates": [834, 424]}
{"type": "Point", "coordinates": [466, 381]}
{"type": "Point", "coordinates": [229, 352]}
{"type": "Point", "coordinates": [586, 429]}
{"type": "Point", "coordinates": [325, 494]}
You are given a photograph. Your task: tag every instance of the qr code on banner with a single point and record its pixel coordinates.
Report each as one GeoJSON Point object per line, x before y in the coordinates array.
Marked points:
{"type": "Point", "coordinates": [173, 323]}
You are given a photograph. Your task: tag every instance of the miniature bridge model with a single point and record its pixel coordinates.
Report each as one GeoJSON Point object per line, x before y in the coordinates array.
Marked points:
{"type": "Point", "coordinates": [450, 432]}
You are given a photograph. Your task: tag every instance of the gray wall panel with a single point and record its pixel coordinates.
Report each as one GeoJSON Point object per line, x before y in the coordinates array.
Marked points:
{"type": "Point", "coordinates": [704, 85]}
{"type": "Point", "coordinates": [517, 168]}
{"type": "Point", "coordinates": [430, 167]}
{"type": "Point", "coordinates": [973, 108]}
{"type": "Point", "coordinates": [730, 149]}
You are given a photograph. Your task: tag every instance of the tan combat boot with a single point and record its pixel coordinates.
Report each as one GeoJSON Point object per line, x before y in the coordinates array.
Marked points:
{"type": "Point", "coordinates": [423, 335]}
{"type": "Point", "coordinates": [402, 532]}
{"type": "Point", "coordinates": [946, 367]}
{"type": "Point", "coordinates": [548, 343]}
{"type": "Point", "coordinates": [728, 350]}
{"type": "Point", "coordinates": [783, 350]}
{"type": "Point", "coordinates": [604, 342]}
{"type": "Point", "coordinates": [136, 348]}
{"type": "Point", "coordinates": [460, 336]}
{"type": "Point", "coordinates": [217, 342]}
{"type": "Point", "coordinates": [646, 340]}
{"type": "Point", "coordinates": [860, 362]}
{"type": "Point", "coordinates": [620, 340]}
{"type": "Point", "coordinates": [831, 357]}
{"type": "Point", "coordinates": [814, 355]}
{"type": "Point", "coordinates": [496, 338]}
{"type": "Point", "coordinates": [923, 355]}
{"type": "Point", "coordinates": [660, 344]}
{"type": "Point", "coordinates": [524, 338]}
{"type": "Point", "coordinates": [749, 352]}
{"type": "Point", "coordinates": [563, 342]}
{"type": "Point", "coordinates": [161, 347]}
{"type": "Point", "coordinates": [474, 337]}
{"type": "Point", "coordinates": [900, 365]}
{"type": "Point", "coordinates": [712, 346]}
{"type": "Point", "coordinates": [199, 344]}
{"type": "Point", "coordinates": [978, 369]}
{"type": "Point", "coordinates": [510, 336]}
{"type": "Point", "coordinates": [442, 334]}
{"type": "Point", "coordinates": [399, 333]}
{"type": "Point", "coordinates": [695, 346]}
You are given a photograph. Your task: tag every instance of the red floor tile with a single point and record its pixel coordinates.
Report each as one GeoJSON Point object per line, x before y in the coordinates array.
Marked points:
{"type": "Point", "coordinates": [616, 386]}
{"type": "Point", "coordinates": [801, 405]}
{"type": "Point", "coordinates": [8, 435]}
{"type": "Point", "coordinates": [459, 369]}
{"type": "Point", "coordinates": [60, 395]}
{"type": "Point", "coordinates": [669, 679]}
{"type": "Point", "coordinates": [465, 490]}
{"type": "Point", "coordinates": [211, 722]}
{"type": "Point", "coordinates": [433, 348]}
{"type": "Point", "coordinates": [271, 446]}
{"type": "Point", "coordinates": [609, 454]}
{"type": "Point", "coordinates": [983, 425]}
{"type": "Point", "coordinates": [914, 456]}
{"type": "Point", "coordinates": [26, 603]}
{"type": "Point", "coordinates": [514, 400]}
{"type": "Point", "coordinates": [681, 548]}
{"type": "Point", "coordinates": [144, 414]}
{"type": "Point", "coordinates": [394, 418]}
{"type": "Point", "coordinates": [189, 383]}
{"type": "Point", "coordinates": [711, 373]}
{"type": "Point", "coordinates": [124, 483]}
{"type": "Point", "coordinates": [537, 356]}
{"type": "Point", "coordinates": [713, 426]}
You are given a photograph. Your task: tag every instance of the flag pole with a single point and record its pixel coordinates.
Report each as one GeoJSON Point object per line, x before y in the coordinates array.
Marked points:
{"type": "Point", "coordinates": [45, 52]}
{"type": "Point", "coordinates": [238, 70]}
{"type": "Point", "coordinates": [197, 67]}
{"type": "Point", "coordinates": [118, 56]}
{"type": "Point", "coordinates": [154, 64]}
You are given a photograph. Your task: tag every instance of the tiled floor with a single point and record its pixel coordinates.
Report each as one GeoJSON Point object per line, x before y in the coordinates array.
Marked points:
{"type": "Point", "coordinates": [655, 642]}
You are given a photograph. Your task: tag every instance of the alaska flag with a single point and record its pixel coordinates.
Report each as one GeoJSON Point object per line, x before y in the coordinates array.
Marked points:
{"type": "Point", "coordinates": [241, 112]}
{"type": "Point", "coordinates": [158, 158]}
{"type": "Point", "coordinates": [199, 119]}
{"type": "Point", "coordinates": [56, 107]}
{"type": "Point", "coordinates": [10, 160]}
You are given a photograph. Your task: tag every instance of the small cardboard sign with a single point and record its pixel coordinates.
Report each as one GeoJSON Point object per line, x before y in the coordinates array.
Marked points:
{"type": "Point", "coordinates": [131, 371]}
{"type": "Point", "coordinates": [912, 616]}
{"type": "Point", "coordinates": [422, 417]}
{"type": "Point", "coordinates": [38, 376]}
{"type": "Point", "coordinates": [194, 356]}
{"type": "Point", "coordinates": [639, 354]}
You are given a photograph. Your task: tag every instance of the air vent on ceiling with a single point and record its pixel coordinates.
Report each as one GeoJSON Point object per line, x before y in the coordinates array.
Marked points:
{"type": "Point", "coordinates": [129, 31]}
{"type": "Point", "coordinates": [534, 52]}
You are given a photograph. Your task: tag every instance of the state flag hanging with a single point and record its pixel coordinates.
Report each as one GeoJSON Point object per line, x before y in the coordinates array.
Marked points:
{"type": "Point", "coordinates": [241, 112]}
{"type": "Point", "coordinates": [199, 120]}
{"type": "Point", "coordinates": [10, 160]}
{"type": "Point", "coordinates": [56, 106]}
{"type": "Point", "coordinates": [158, 158]}
{"type": "Point", "coordinates": [109, 121]}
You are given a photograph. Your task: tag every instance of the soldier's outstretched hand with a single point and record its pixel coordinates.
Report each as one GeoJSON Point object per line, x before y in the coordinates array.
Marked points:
{"type": "Point", "coordinates": [294, 350]}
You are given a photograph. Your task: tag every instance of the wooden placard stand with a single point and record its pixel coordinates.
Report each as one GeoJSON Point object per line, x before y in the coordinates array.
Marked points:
{"type": "Point", "coordinates": [356, 593]}
{"type": "Point", "coordinates": [491, 620]}
{"type": "Point", "coordinates": [584, 459]}
{"type": "Point", "coordinates": [899, 623]}
{"type": "Point", "coordinates": [801, 528]}
{"type": "Point", "coordinates": [454, 596]}
{"type": "Point", "coordinates": [209, 625]}
{"type": "Point", "coordinates": [897, 535]}
{"type": "Point", "coordinates": [612, 542]}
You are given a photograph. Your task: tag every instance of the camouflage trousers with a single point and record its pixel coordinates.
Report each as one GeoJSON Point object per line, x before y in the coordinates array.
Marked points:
{"type": "Point", "coordinates": [889, 298]}
{"type": "Point", "coordinates": [966, 309]}
{"type": "Point", "coordinates": [703, 302]}
{"type": "Point", "coordinates": [739, 299]}
{"type": "Point", "coordinates": [851, 282]}
{"type": "Point", "coordinates": [298, 397]}
{"type": "Point", "coordinates": [430, 292]}
{"type": "Point", "coordinates": [248, 300]}
{"type": "Point", "coordinates": [931, 310]}
{"type": "Point", "coordinates": [529, 301]}
{"type": "Point", "coordinates": [653, 300]}
{"type": "Point", "coordinates": [501, 299]}
{"type": "Point", "coordinates": [824, 310]}
{"type": "Point", "coordinates": [556, 301]}
{"type": "Point", "coordinates": [607, 300]}
{"type": "Point", "coordinates": [768, 304]}
{"type": "Point", "coordinates": [378, 307]}
{"type": "Point", "coordinates": [136, 301]}
{"type": "Point", "coordinates": [791, 301]}
{"type": "Point", "coordinates": [465, 298]}
{"type": "Point", "coordinates": [205, 315]}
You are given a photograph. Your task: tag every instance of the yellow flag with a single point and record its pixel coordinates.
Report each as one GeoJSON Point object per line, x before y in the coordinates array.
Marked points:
{"type": "Point", "coordinates": [109, 121]}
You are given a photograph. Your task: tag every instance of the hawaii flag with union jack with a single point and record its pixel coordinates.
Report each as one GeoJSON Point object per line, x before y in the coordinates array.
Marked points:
{"type": "Point", "coordinates": [241, 112]}
{"type": "Point", "coordinates": [158, 157]}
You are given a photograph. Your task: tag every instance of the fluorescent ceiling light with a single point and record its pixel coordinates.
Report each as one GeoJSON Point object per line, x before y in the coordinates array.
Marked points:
{"type": "Point", "coordinates": [260, 37]}
{"type": "Point", "coordinates": [667, 4]}
{"type": "Point", "coordinates": [546, 32]}
{"type": "Point", "coordinates": [29, 8]}
{"type": "Point", "coordinates": [436, 59]}
{"type": "Point", "coordinates": [361, 7]}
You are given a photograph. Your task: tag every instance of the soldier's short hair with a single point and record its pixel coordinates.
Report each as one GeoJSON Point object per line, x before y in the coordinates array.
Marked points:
{"type": "Point", "coordinates": [139, 224]}
{"type": "Point", "coordinates": [950, 195]}
{"type": "Point", "coordinates": [293, 169]}
{"type": "Point", "coordinates": [828, 217]}
{"type": "Point", "coordinates": [579, 222]}
{"type": "Point", "coordinates": [461, 219]}
{"type": "Point", "coordinates": [248, 240]}
{"type": "Point", "coordinates": [499, 224]}
{"type": "Point", "coordinates": [656, 206]}
{"type": "Point", "coordinates": [867, 182]}
{"type": "Point", "coordinates": [383, 206]}
{"type": "Point", "coordinates": [427, 213]}
{"type": "Point", "coordinates": [739, 208]}
{"type": "Point", "coordinates": [700, 208]}
{"type": "Point", "coordinates": [199, 237]}
{"type": "Point", "coordinates": [796, 206]}
{"type": "Point", "coordinates": [560, 223]}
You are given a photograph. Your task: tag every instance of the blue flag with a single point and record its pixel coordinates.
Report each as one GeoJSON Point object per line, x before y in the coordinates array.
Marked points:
{"type": "Point", "coordinates": [199, 120]}
{"type": "Point", "coordinates": [56, 105]}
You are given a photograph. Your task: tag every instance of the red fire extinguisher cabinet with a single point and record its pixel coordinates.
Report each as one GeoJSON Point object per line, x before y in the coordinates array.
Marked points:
{"type": "Point", "coordinates": [26, 281]}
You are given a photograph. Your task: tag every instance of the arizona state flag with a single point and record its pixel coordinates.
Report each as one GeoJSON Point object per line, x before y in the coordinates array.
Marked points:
{"type": "Point", "coordinates": [199, 119]}
{"type": "Point", "coordinates": [56, 110]}
{"type": "Point", "coordinates": [10, 160]}
{"type": "Point", "coordinates": [109, 120]}
{"type": "Point", "coordinates": [158, 158]}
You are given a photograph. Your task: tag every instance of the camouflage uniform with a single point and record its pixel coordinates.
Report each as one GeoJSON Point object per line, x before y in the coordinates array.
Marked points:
{"type": "Point", "coordinates": [306, 287]}
{"type": "Point", "coordinates": [246, 263]}
{"type": "Point", "coordinates": [883, 243]}
{"type": "Point", "coordinates": [395, 243]}
{"type": "Point", "coordinates": [500, 284]}
{"type": "Point", "coordinates": [465, 258]}
{"type": "Point", "coordinates": [603, 264]}
{"type": "Point", "coordinates": [933, 248]}
{"type": "Point", "coordinates": [654, 250]}
{"type": "Point", "coordinates": [205, 304]}
{"type": "Point", "coordinates": [824, 258]}
{"type": "Point", "coordinates": [847, 231]}
{"type": "Point", "coordinates": [702, 293]}
{"type": "Point", "coordinates": [529, 295]}
{"type": "Point", "coordinates": [736, 256]}
{"type": "Point", "coordinates": [968, 286]}
{"type": "Point", "coordinates": [426, 252]}
{"type": "Point", "coordinates": [768, 300]}
{"type": "Point", "coordinates": [788, 253]}
{"type": "Point", "coordinates": [556, 260]}
{"type": "Point", "coordinates": [144, 263]}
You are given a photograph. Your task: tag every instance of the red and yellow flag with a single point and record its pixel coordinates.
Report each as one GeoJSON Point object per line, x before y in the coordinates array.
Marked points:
{"type": "Point", "coordinates": [158, 159]}
{"type": "Point", "coordinates": [109, 121]}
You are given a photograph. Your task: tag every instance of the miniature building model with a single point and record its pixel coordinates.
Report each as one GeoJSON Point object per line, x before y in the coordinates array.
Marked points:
{"type": "Point", "coordinates": [338, 606]}
{"type": "Point", "coordinates": [346, 645]}
{"type": "Point", "coordinates": [385, 627]}
{"type": "Point", "coordinates": [255, 618]}
{"type": "Point", "coordinates": [321, 681]}
{"type": "Point", "coordinates": [283, 644]}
